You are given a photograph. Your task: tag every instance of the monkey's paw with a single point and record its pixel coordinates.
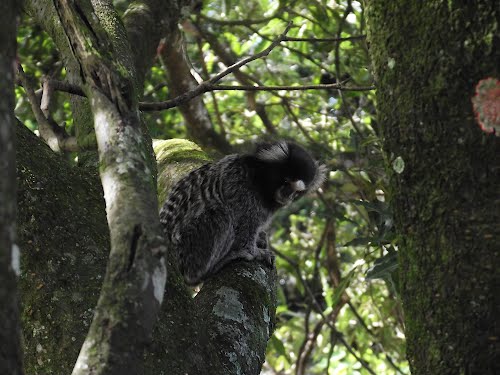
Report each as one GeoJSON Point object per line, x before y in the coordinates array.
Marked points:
{"type": "Point", "coordinates": [262, 240]}
{"type": "Point", "coordinates": [268, 257]}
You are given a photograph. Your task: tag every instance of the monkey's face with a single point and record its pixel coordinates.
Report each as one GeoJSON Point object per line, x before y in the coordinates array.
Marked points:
{"type": "Point", "coordinates": [289, 191]}
{"type": "Point", "coordinates": [287, 172]}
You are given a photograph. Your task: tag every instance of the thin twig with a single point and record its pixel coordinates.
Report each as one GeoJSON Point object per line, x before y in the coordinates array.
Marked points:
{"type": "Point", "coordinates": [244, 22]}
{"type": "Point", "coordinates": [301, 128]}
{"type": "Point", "coordinates": [300, 352]}
{"type": "Point", "coordinates": [227, 57]}
{"type": "Point", "coordinates": [351, 350]}
{"type": "Point", "coordinates": [348, 10]}
{"type": "Point", "coordinates": [308, 346]}
{"type": "Point", "coordinates": [337, 86]}
{"type": "Point", "coordinates": [294, 50]}
{"type": "Point", "coordinates": [313, 40]}
{"type": "Point", "coordinates": [248, 59]}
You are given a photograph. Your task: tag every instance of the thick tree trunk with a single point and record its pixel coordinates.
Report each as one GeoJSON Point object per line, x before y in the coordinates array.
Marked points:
{"type": "Point", "coordinates": [10, 328]}
{"type": "Point", "coordinates": [427, 58]}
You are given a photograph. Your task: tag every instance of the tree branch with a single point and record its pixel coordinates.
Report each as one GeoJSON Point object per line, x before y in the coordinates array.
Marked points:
{"type": "Point", "coordinates": [54, 135]}
{"type": "Point", "coordinates": [327, 40]}
{"type": "Point", "coordinates": [133, 287]}
{"type": "Point", "coordinates": [180, 80]}
{"type": "Point", "coordinates": [206, 87]}
{"type": "Point", "coordinates": [244, 22]}
{"type": "Point", "coordinates": [227, 58]}
{"type": "Point", "coordinates": [147, 22]}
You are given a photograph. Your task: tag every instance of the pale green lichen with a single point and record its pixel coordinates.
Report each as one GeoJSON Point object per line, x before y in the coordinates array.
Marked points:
{"type": "Point", "coordinates": [233, 358]}
{"type": "Point", "coordinates": [267, 318]}
{"type": "Point", "coordinates": [15, 259]}
{"type": "Point", "coordinates": [159, 279]}
{"type": "Point", "coordinates": [175, 158]}
{"type": "Point", "coordinates": [258, 276]}
{"type": "Point", "coordinates": [228, 305]}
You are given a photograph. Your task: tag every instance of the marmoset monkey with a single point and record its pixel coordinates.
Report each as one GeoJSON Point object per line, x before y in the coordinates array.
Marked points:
{"type": "Point", "coordinates": [220, 211]}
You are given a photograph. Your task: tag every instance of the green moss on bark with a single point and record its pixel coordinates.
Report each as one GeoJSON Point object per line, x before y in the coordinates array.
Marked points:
{"type": "Point", "coordinates": [63, 237]}
{"type": "Point", "coordinates": [446, 200]}
{"type": "Point", "coordinates": [175, 157]}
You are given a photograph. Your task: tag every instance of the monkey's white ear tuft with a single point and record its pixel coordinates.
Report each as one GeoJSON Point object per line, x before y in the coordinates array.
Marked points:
{"type": "Point", "coordinates": [319, 177]}
{"type": "Point", "coordinates": [274, 152]}
{"type": "Point", "coordinates": [298, 185]}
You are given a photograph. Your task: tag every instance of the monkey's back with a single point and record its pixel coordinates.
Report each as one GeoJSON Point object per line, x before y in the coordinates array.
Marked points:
{"type": "Point", "coordinates": [214, 187]}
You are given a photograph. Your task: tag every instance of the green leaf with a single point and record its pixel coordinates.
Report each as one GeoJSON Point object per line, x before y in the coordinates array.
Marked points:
{"type": "Point", "coordinates": [340, 289]}
{"type": "Point", "coordinates": [383, 267]}
{"type": "Point", "coordinates": [278, 346]}
{"type": "Point", "coordinates": [360, 241]}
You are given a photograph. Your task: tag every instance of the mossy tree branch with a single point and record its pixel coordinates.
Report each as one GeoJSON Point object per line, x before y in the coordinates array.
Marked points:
{"type": "Point", "coordinates": [133, 287]}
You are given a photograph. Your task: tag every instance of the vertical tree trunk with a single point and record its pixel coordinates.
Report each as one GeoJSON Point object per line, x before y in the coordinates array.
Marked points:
{"type": "Point", "coordinates": [427, 58]}
{"type": "Point", "coordinates": [10, 329]}
{"type": "Point", "coordinates": [134, 283]}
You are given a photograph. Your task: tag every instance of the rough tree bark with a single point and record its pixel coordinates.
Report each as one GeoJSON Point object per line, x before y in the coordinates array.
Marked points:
{"type": "Point", "coordinates": [427, 57]}
{"type": "Point", "coordinates": [134, 282]}
{"type": "Point", "coordinates": [10, 330]}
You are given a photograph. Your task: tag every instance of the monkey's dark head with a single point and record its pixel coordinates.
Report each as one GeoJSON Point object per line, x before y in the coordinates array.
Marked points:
{"type": "Point", "coordinates": [286, 172]}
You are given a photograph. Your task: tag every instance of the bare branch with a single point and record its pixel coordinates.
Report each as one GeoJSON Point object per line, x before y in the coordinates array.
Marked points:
{"type": "Point", "coordinates": [61, 86]}
{"type": "Point", "coordinates": [54, 135]}
{"type": "Point", "coordinates": [207, 87]}
{"type": "Point", "coordinates": [314, 40]}
{"type": "Point", "coordinates": [180, 80]}
{"type": "Point", "coordinates": [228, 58]}
{"type": "Point", "coordinates": [246, 60]}
{"type": "Point", "coordinates": [337, 86]}
{"type": "Point", "coordinates": [308, 346]}
{"type": "Point", "coordinates": [245, 22]}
